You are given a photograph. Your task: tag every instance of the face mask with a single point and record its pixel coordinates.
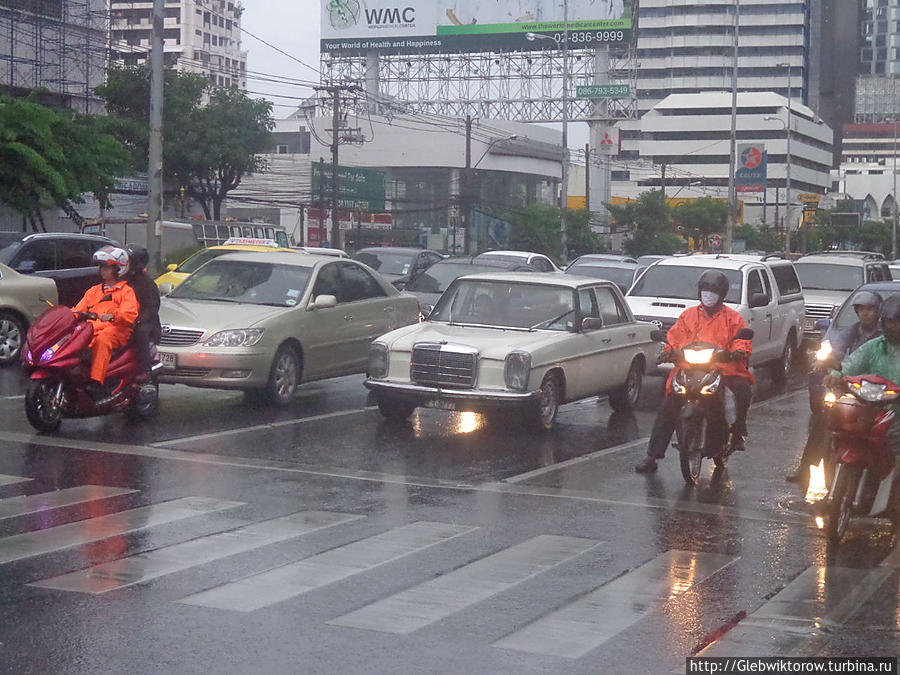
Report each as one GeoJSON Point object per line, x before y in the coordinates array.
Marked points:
{"type": "Point", "coordinates": [709, 299]}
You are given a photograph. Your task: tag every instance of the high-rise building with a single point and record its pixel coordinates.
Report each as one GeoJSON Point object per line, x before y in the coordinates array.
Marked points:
{"type": "Point", "coordinates": [201, 36]}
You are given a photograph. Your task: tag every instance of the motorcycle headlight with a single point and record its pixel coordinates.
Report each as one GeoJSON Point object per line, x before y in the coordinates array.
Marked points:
{"type": "Point", "coordinates": [873, 393]}
{"type": "Point", "coordinates": [677, 387]}
{"type": "Point", "coordinates": [830, 398]}
{"type": "Point", "coordinates": [47, 355]}
{"type": "Point", "coordinates": [517, 370]}
{"type": "Point", "coordinates": [243, 337]}
{"type": "Point", "coordinates": [378, 360]}
{"type": "Point", "coordinates": [824, 351]}
{"type": "Point", "coordinates": [697, 357]}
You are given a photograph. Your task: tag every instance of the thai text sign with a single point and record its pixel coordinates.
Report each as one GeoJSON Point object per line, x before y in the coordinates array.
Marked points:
{"type": "Point", "coordinates": [358, 189]}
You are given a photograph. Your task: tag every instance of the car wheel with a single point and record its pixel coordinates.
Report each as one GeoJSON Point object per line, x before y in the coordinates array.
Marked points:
{"type": "Point", "coordinates": [626, 397]}
{"type": "Point", "coordinates": [543, 415]}
{"type": "Point", "coordinates": [284, 376]}
{"type": "Point", "coordinates": [785, 365]}
{"type": "Point", "coordinates": [394, 409]}
{"type": "Point", "coordinates": [12, 335]}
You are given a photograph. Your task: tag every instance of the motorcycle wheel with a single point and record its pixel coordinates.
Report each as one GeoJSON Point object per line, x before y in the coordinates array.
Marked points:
{"type": "Point", "coordinates": [144, 404]}
{"type": "Point", "coordinates": [720, 461]}
{"type": "Point", "coordinates": [837, 513]}
{"type": "Point", "coordinates": [689, 451]}
{"type": "Point", "coordinates": [41, 408]}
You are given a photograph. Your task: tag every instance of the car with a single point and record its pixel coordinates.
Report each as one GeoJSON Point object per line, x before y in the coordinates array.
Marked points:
{"type": "Point", "coordinates": [605, 257]}
{"type": "Point", "coordinates": [764, 290]}
{"type": "Point", "coordinates": [538, 260]}
{"type": "Point", "coordinates": [23, 298]}
{"type": "Point", "coordinates": [828, 277]}
{"type": "Point", "coordinates": [175, 274]}
{"type": "Point", "coordinates": [397, 264]}
{"type": "Point", "coordinates": [429, 285]}
{"type": "Point", "coordinates": [845, 316]}
{"type": "Point", "coordinates": [266, 322]}
{"type": "Point", "coordinates": [321, 250]}
{"type": "Point", "coordinates": [65, 257]}
{"type": "Point", "coordinates": [508, 341]}
{"type": "Point", "coordinates": [621, 273]}
{"type": "Point", "coordinates": [894, 267]}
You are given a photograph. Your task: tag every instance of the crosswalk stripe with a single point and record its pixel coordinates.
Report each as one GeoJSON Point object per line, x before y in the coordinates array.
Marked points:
{"type": "Point", "coordinates": [154, 564]}
{"type": "Point", "coordinates": [45, 501]}
{"type": "Point", "coordinates": [434, 600]}
{"type": "Point", "coordinates": [29, 544]}
{"type": "Point", "coordinates": [288, 581]}
{"type": "Point", "coordinates": [12, 480]}
{"type": "Point", "coordinates": [585, 624]}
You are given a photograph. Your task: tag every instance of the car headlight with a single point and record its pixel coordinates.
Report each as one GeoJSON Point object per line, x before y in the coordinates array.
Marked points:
{"type": "Point", "coordinates": [517, 370]}
{"type": "Point", "coordinates": [378, 360]}
{"type": "Point", "coordinates": [243, 337]}
{"type": "Point", "coordinates": [824, 351]}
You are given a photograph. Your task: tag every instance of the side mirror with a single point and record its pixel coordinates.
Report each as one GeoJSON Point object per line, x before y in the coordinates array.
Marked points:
{"type": "Point", "coordinates": [400, 283]}
{"type": "Point", "coordinates": [323, 302]}
{"type": "Point", "coordinates": [26, 266]}
{"type": "Point", "coordinates": [759, 300]}
{"type": "Point", "coordinates": [744, 334]}
{"type": "Point", "coordinates": [171, 268]}
{"type": "Point", "coordinates": [657, 336]}
{"type": "Point", "coordinates": [823, 324]}
{"type": "Point", "coordinates": [591, 323]}
{"type": "Point", "coordinates": [166, 287]}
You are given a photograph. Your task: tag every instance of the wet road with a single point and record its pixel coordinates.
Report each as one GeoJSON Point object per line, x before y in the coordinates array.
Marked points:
{"type": "Point", "coordinates": [228, 537]}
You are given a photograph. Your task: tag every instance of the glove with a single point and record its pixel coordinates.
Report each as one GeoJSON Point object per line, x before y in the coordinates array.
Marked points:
{"type": "Point", "coordinates": [738, 355]}
{"type": "Point", "coordinates": [87, 316]}
{"type": "Point", "coordinates": [107, 317]}
{"type": "Point", "coordinates": [833, 381]}
{"type": "Point", "coordinates": [668, 356]}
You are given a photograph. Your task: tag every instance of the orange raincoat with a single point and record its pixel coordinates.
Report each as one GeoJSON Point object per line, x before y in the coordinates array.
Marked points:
{"type": "Point", "coordinates": [694, 325]}
{"type": "Point", "coordinates": [109, 335]}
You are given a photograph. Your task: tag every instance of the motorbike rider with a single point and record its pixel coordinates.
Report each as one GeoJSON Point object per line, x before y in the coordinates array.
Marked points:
{"type": "Point", "coordinates": [147, 329]}
{"type": "Point", "coordinates": [116, 307]}
{"type": "Point", "coordinates": [867, 305]}
{"type": "Point", "coordinates": [710, 321]}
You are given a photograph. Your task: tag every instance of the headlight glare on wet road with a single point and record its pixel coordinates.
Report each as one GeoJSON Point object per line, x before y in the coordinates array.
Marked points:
{"type": "Point", "coordinates": [243, 337]}
{"type": "Point", "coordinates": [517, 370]}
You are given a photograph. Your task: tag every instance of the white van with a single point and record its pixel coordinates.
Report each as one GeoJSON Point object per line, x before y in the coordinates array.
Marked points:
{"type": "Point", "coordinates": [765, 290]}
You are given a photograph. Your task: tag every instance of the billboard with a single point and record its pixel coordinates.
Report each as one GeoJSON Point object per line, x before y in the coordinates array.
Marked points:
{"type": "Point", "coordinates": [419, 26]}
{"type": "Point", "coordinates": [750, 175]}
{"type": "Point", "coordinates": [358, 188]}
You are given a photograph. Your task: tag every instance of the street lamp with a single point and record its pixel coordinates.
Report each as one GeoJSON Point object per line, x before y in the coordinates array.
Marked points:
{"type": "Point", "coordinates": [492, 144]}
{"type": "Point", "coordinates": [564, 169]}
{"type": "Point", "coordinates": [691, 184]}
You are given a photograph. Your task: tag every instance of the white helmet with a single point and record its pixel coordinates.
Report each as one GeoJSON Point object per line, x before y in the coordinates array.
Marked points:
{"type": "Point", "coordinates": [113, 256]}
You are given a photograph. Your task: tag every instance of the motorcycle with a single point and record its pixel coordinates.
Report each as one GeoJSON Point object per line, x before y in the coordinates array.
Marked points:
{"type": "Point", "coordinates": [858, 419]}
{"type": "Point", "coordinates": [57, 355]}
{"type": "Point", "coordinates": [708, 410]}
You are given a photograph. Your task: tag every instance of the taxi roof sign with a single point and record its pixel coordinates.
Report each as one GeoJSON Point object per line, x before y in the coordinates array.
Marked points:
{"type": "Point", "coordinates": [250, 241]}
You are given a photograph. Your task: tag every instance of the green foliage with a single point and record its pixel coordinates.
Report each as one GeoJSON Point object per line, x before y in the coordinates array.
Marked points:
{"type": "Point", "coordinates": [758, 238]}
{"type": "Point", "coordinates": [649, 219]}
{"type": "Point", "coordinates": [701, 217]}
{"type": "Point", "coordinates": [537, 228]}
{"type": "Point", "coordinates": [875, 235]}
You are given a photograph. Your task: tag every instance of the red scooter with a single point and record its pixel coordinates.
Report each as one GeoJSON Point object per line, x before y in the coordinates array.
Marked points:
{"type": "Point", "coordinates": [858, 418]}
{"type": "Point", "coordinates": [57, 355]}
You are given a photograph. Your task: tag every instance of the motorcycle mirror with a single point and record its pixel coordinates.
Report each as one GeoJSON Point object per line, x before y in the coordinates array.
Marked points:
{"type": "Point", "coordinates": [744, 334]}
{"type": "Point", "coordinates": [657, 336]}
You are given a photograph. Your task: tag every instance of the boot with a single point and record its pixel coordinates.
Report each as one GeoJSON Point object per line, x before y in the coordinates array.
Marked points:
{"type": "Point", "coordinates": [96, 391]}
{"type": "Point", "coordinates": [646, 465]}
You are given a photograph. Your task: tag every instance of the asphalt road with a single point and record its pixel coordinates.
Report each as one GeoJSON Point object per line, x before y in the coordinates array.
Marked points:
{"type": "Point", "coordinates": [227, 537]}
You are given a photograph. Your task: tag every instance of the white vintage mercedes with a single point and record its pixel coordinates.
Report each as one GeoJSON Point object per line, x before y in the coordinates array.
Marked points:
{"type": "Point", "coordinates": [506, 340]}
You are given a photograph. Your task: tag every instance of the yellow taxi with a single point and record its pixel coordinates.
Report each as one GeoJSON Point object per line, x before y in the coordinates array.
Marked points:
{"type": "Point", "coordinates": [175, 274]}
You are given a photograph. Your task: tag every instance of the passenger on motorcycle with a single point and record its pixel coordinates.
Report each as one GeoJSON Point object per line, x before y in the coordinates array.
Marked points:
{"type": "Point", "coordinates": [710, 321]}
{"type": "Point", "coordinates": [115, 307]}
{"type": "Point", "coordinates": [147, 329]}
{"type": "Point", "coordinates": [867, 305]}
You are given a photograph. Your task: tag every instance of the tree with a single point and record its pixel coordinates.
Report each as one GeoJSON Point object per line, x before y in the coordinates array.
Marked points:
{"type": "Point", "coordinates": [701, 217]}
{"type": "Point", "coordinates": [649, 219]}
{"type": "Point", "coordinates": [758, 238]}
{"type": "Point", "coordinates": [537, 228]}
{"type": "Point", "coordinates": [207, 149]}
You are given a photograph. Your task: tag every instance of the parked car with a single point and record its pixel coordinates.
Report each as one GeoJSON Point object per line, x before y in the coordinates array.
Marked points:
{"type": "Point", "coordinates": [23, 298]}
{"type": "Point", "coordinates": [507, 341]}
{"type": "Point", "coordinates": [621, 273]}
{"type": "Point", "coordinates": [764, 290]}
{"type": "Point", "coordinates": [538, 260]}
{"type": "Point", "coordinates": [175, 274]}
{"type": "Point", "coordinates": [269, 321]}
{"type": "Point", "coordinates": [64, 257]}
{"type": "Point", "coordinates": [429, 285]}
{"type": "Point", "coordinates": [606, 257]}
{"type": "Point", "coordinates": [829, 277]}
{"type": "Point", "coordinates": [322, 250]}
{"type": "Point", "coordinates": [396, 264]}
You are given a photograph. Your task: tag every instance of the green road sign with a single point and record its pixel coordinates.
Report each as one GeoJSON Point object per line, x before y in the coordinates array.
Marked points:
{"type": "Point", "coordinates": [358, 188]}
{"type": "Point", "coordinates": [603, 91]}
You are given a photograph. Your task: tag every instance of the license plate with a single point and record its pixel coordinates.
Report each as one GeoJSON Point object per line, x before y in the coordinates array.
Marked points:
{"type": "Point", "coordinates": [809, 324]}
{"type": "Point", "coordinates": [442, 405]}
{"type": "Point", "coordinates": [168, 361]}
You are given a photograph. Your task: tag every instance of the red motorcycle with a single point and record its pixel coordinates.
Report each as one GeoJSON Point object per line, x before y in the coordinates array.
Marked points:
{"type": "Point", "coordinates": [57, 355]}
{"type": "Point", "coordinates": [859, 418]}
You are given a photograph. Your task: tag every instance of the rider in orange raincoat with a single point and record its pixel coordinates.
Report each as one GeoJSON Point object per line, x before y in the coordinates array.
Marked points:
{"type": "Point", "coordinates": [116, 306]}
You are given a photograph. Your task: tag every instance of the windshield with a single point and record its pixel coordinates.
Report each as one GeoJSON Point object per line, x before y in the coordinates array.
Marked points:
{"type": "Point", "coordinates": [847, 316]}
{"type": "Point", "coordinates": [7, 252]}
{"type": "Point", "coordinates": [503, 257]}
{"type": "Point", "coordinates": [201, 258]}
{"type": "Point", "coordinates": [253, 283]}
{"type": "Point", "coordinates": [620, 276]}
{"type": "Point", "coordinates": [508, 305]}
{"type": "Point", "coordinates": [438, 277]}
{"type": "Point", "coordinates": [825, 277]}
{"type": "Point", "coordinates": [387, 261]}
{"type": "Point", "coordinates": [680, 281]}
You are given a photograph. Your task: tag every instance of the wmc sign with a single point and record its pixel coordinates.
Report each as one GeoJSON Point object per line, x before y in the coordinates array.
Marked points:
{"type": "Point", "coordinates": [358, 26]}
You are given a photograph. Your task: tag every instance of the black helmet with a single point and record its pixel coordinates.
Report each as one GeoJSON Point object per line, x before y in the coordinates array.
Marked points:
{"type": "Point", "coordinates": [137, 256]}
{"type": "Point", "coordinates": [890, 309]}
{"type": "Point", "coordinates": [867, 299]}
{"type": "Point", "coordinates": [715, 281]}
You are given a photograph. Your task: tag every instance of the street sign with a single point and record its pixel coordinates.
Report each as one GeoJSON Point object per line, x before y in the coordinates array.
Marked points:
{"type": "Point", "coordinates": [358, 189]}
{"type": "Point", "coordinates": [608, 143]}
{"type": "Point", "coordinates": [808, 197]}
{"type": "Point", "coordinates": [603, 91]}
{"type": "Point", "coordinates": [750, 175]}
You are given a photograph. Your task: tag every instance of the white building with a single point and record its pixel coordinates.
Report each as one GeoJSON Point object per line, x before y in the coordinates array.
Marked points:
{"type": "Point", "coordinates": [201, 36]}
{"type": "Point", "coordinates": [690, 135]}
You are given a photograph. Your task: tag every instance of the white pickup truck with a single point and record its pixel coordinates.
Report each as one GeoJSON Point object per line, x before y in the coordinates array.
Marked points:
{"type": "Point", "coordinates": [764, 290]}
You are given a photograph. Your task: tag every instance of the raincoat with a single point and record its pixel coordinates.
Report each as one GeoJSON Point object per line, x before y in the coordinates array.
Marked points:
{"type": "Point", "coordinates": [877, 357]}
{"type": "Point", "coordinates": [108, 335]}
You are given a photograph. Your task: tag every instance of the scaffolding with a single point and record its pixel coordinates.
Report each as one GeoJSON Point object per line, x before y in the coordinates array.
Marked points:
{"type": "Point", "coordinates": [60, 46]}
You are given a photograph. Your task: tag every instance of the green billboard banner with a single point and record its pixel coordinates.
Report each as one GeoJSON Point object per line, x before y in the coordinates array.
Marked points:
{"type": "Point", "coordinates": [603, 91]}
{"type": "Point", "coordinates": [358, 189]}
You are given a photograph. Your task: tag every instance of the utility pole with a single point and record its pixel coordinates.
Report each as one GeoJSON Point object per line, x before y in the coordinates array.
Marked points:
{"type": "Point", "coordinates": [155, 164]}
{"type": "Point", "coordinates": [732, 162]}
{"type": "Point", "coordinates": [787, 175]}
{"type": "Point", "coordinates": [466, 186]}
{"type": "Point", "coordinates": [565, 133]}
{"type": "Point", "coordinates": [335, 144]}
{"type": "Point", "coordinates": [894, 192]}
{"type": "Point", "coordinates": [587, 177]}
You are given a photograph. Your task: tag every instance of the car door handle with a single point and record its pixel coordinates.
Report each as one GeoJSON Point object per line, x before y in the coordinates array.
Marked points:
{"type": "Point", "coordinates": [631, 335]}
{"type": "Point", "coordinates": [606, 341]}
{"type": "Point", "coordinates": [348, 317]}
{"type": "Point", "coordinates": [388, 309]}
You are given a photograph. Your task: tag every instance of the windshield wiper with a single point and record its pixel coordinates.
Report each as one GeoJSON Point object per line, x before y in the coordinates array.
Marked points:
{"type": "Point", "coordinates": [215, 299]}
{"type": "Point", "coordinates": [551, 321]}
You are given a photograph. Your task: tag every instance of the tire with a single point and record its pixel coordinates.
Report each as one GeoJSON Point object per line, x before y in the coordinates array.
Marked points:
{"type": "Point", "coordinates": [543, 414]}
{"type": "Point", "coordinates": [144, 404]}
{"type": "Point", "coordinates": [284, 377]}
{"type": "Point", "coordinates": [690, 453]}
{"type": "Point", "coordinates": [395, 410]}
{"type": "Point", "coordinates": [785, 365]}
{"type": "Point", "coordinates": [837, 512]}
{"type": "Point", "coordinates": [12, 337]}
{"type": "Point", "coordinates": [40, 405]}
{"type": "Point", "coordinates": [626, 397]}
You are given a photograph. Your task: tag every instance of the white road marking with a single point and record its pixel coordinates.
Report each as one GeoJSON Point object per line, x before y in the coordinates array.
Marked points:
{"type": "Point", "coordinates": [288, 581]}
{"type": "Point", "coordinates": [154, 564]}
{"type": "Point", "coordinates": [29, 544]}
{"type": "Point", "coordinates": [12, 480]}
{"type": "Point", "coordinates": [588, 622]}
{"type": "Point", "coordinates": [16, 397]}
{"type": "Point", "coordinates": [45, 501]}
{"type": "Point", "coordinates": [437, 599]}
{"type": "Point", "coordinates": [528, 475]}
{"type": "Point", "coordinates": [260, 427]}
